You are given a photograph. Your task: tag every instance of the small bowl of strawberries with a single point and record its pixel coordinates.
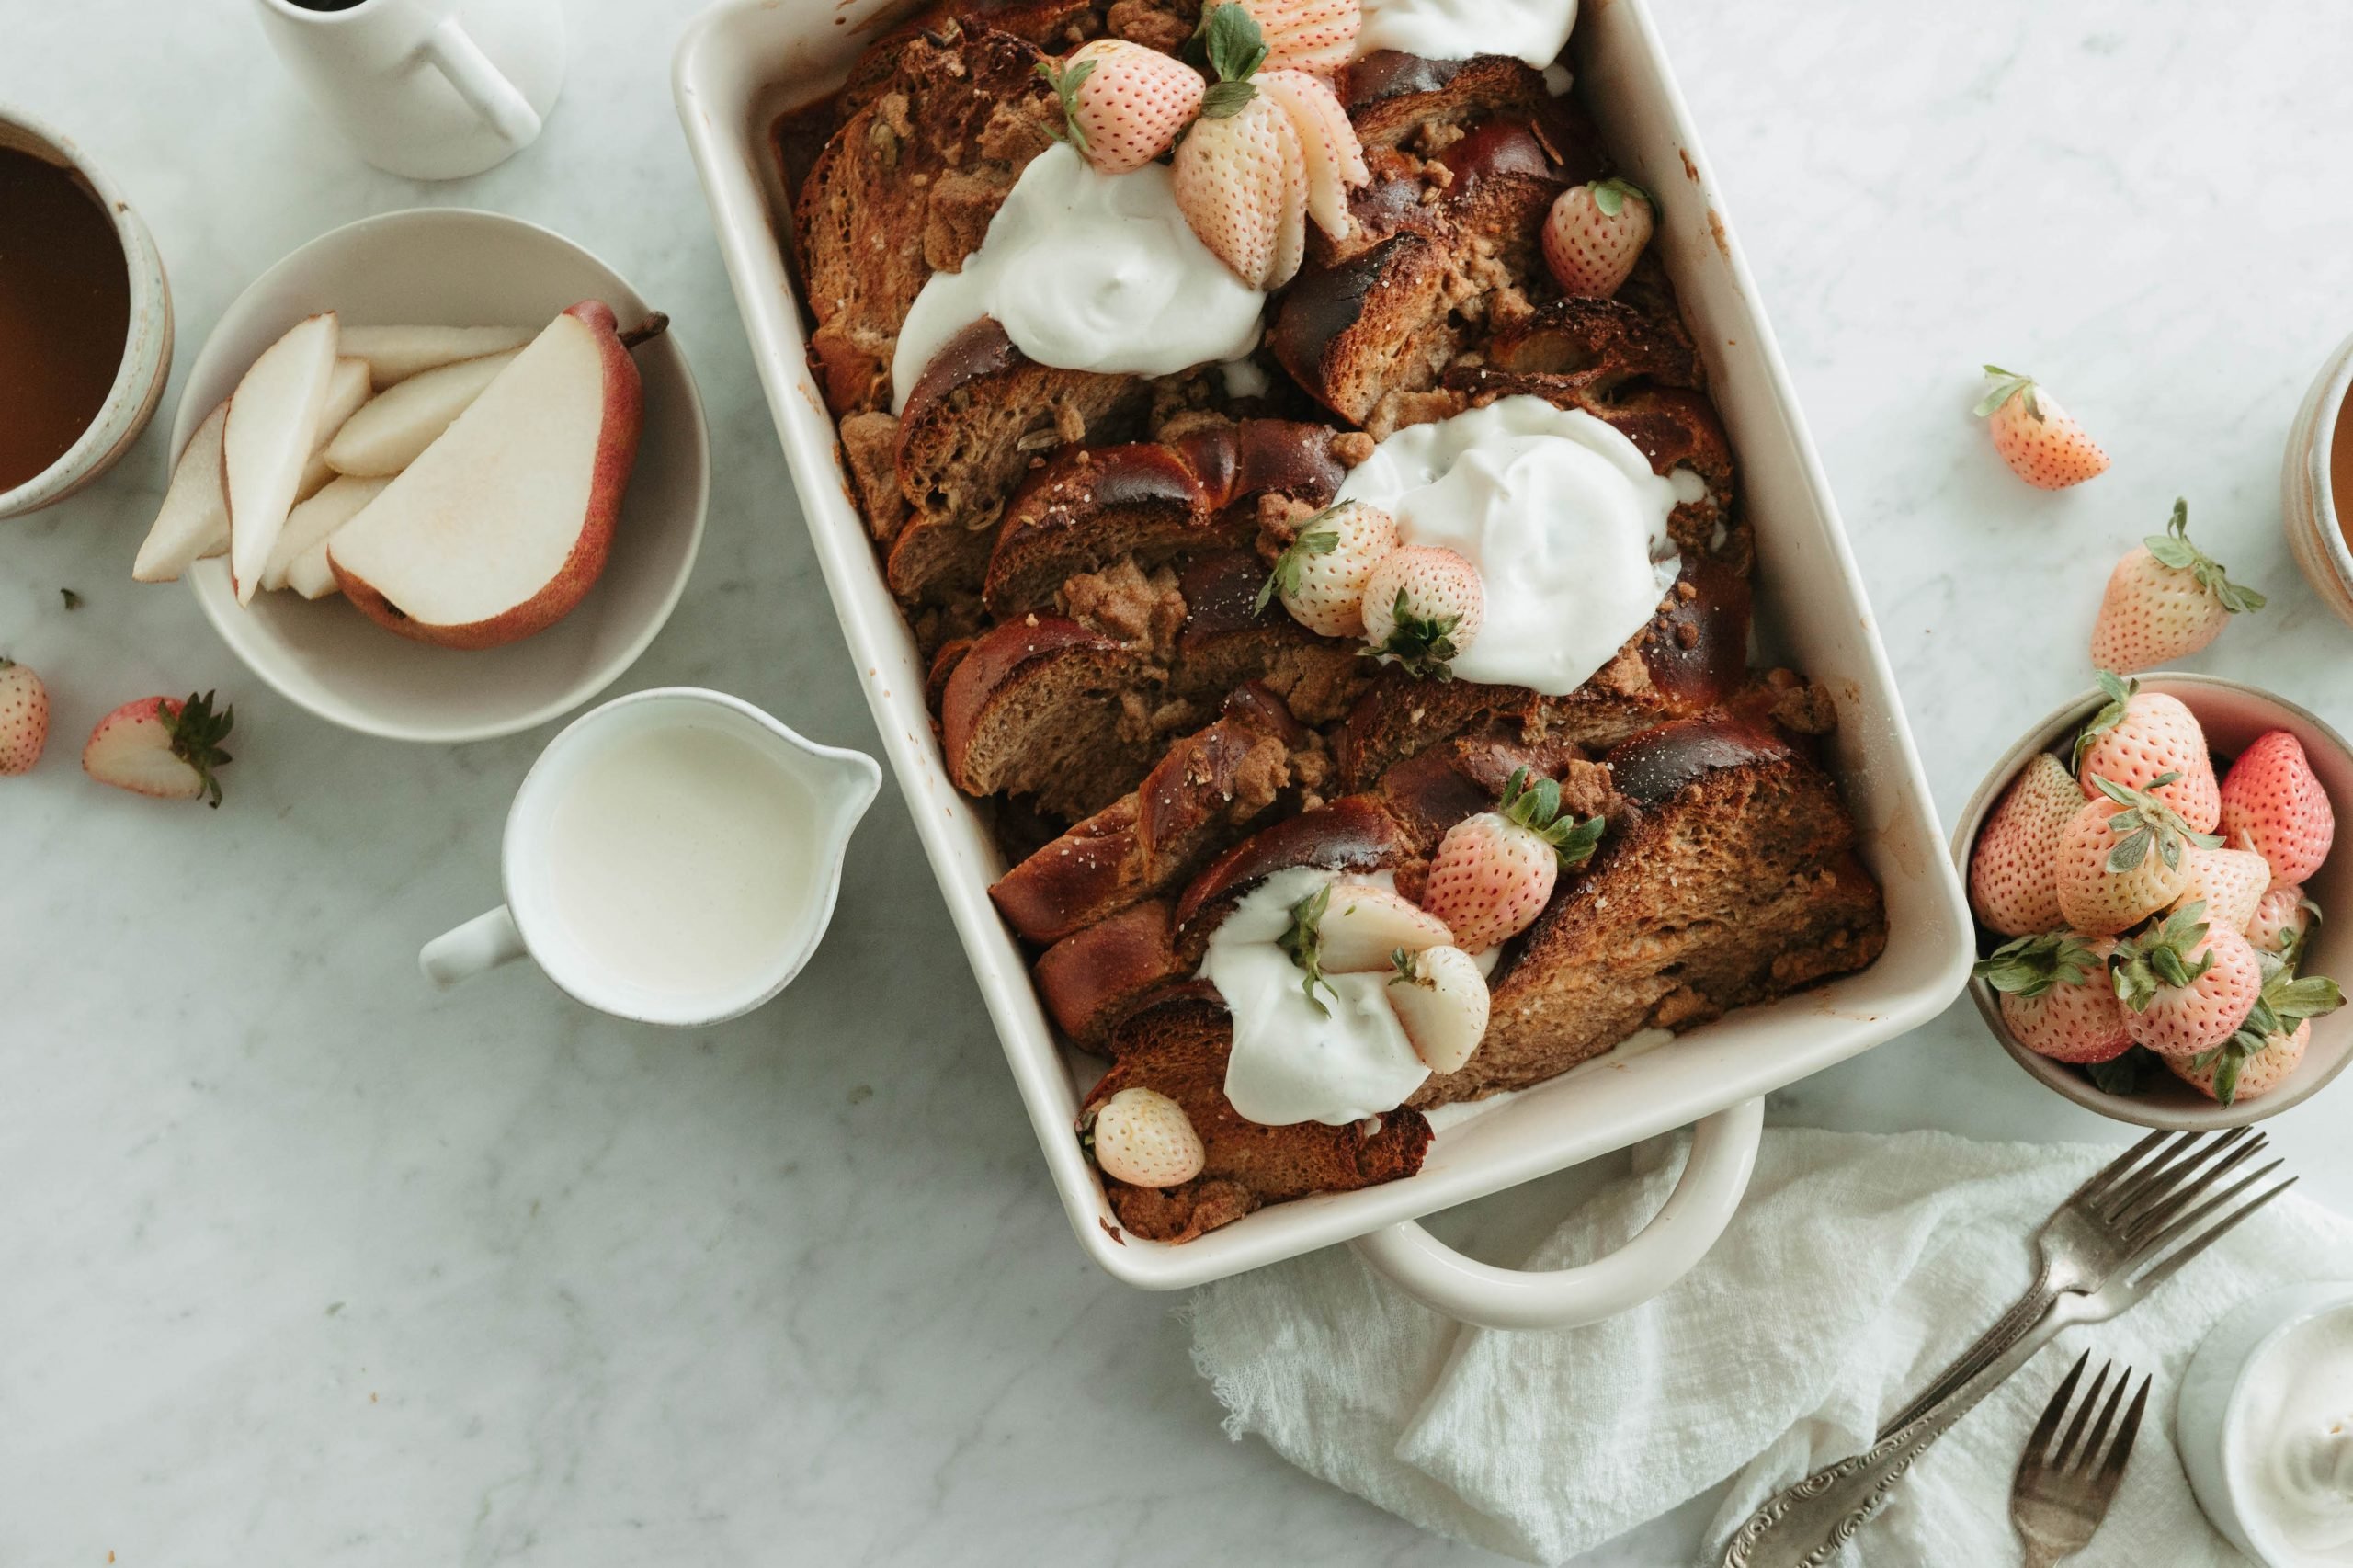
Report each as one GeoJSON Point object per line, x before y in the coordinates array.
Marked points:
{"type": "Point", "coordinates": [2149, 866]}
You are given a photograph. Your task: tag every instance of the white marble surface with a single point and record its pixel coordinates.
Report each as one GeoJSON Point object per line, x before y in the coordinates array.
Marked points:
{"type": "Point", "coordinates": [302, 1263]}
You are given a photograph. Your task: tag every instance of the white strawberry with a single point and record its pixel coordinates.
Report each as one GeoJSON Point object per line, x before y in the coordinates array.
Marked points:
{"type": "Point", "coordinates": [1123, 105]}
{"type": "Point", "coordinates": [1595, 234]}
{"type": "Point", "coordinates": [1494, 873]}
{"type": "Point", "coordinates": [1143, 1137]}
{"type": "Point", "coordinates": [1321, 574]}
{"type": "Point", "coordinates": [24, 717]}
{"type": "Point", "coordinates": [1333, 156]}
{"type": "Point", "coordinates": [1364, 927]}
{"type": "Point", "coordinates": [1233, 179]}
{"type": "Point", "coordinates": [1423, 607]}
{"type": "Point", "coordinates": [2283, 917]}
{"type": "Point", "coordinates": [1440, 1000]}
{"type": "Point", "coordinates": [161, 747]}
{"type": "Point", "coordinates": [2229, 882]}
{"type": "Point", "coordinates": [1306, 35]}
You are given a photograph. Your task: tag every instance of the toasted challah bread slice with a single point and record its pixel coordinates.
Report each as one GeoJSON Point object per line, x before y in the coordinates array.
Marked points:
{"type": "Point", "coordinates": [1727, 876]}
{"type": "Point", "coordinates": [1178, 1045]}
{"type": "Point", "coordinates": [1198, 796]}
{"type": "Point", "coordinates": [906, 186]}
{"type": "Point", "coordinates": [1153, 501]}
{"type": "Point", "coordinates": [1071, 714]}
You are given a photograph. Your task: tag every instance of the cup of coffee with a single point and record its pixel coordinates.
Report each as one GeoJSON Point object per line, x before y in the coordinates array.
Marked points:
{"type": "Point", "coordinates": [428, 90]}
{"type": "Point", "coordinates": [673, 858]}
{"type": "Point", "coordinates": [86, 344]}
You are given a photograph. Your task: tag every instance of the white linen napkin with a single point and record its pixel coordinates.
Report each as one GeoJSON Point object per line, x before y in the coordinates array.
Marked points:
{"type": "Point", "coordinates": [1858, 1267]}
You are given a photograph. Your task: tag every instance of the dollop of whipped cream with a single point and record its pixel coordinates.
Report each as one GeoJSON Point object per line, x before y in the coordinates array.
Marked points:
{"type": "Point", "coordinates": [1086, 271]}
{"type": "Point", "coordinates": [1534, 30]}
{"type": "Point", "coordinates": [1291, 1062]}
{"type": "Point", "coordinates": [2296, 1469]}
{"type": "Point", "coordinates": [1561, 515]}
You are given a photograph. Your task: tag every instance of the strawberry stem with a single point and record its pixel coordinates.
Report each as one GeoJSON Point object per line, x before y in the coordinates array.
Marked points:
{"type": "Point", "coordinates": [196, 733]}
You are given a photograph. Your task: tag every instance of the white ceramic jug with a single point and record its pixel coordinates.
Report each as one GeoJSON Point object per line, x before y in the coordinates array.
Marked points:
{"type": "Point", "coordinates": [431, 89]}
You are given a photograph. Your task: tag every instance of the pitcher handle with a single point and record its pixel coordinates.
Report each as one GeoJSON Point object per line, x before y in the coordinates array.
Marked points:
{"type": "Point", "coordinates": [1724, 1154]}
{"type": "Point", "coordinates": [483, 943]}
{"type": "Point", "coordinates": [489, 93]}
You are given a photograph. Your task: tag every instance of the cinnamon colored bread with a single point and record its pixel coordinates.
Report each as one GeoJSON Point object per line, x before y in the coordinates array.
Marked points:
{"type": "Point", "coordinates": [1177, 1047]}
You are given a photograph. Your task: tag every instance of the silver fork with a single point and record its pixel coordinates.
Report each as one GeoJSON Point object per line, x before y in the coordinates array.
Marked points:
{"type": "Point", "coordinates": [2094, 1232]}
{"type": "Point", "coordinates": [2061, 1493]}
{"type": "Point", "coordinates": [1806, 1525]}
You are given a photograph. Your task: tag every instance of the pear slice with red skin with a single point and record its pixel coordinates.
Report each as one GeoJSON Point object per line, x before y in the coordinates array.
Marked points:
{"type": "Point", "coordinates": [396, 353]}
{"type": "Point", "coordinates": [194, 519]}
{"type": "Point", "coordinates": [273, 426]}
{"type": "Point", "coordinates": [501, 526]}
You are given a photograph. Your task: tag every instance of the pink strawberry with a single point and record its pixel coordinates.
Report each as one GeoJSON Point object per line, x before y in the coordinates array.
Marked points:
{"type": "Point", "coordinates": [2282, 916]}
{"type": "Point", "coordinates": [1124, 104]}
{"type": "Point", "coordinates": [2123, 858]}
{"type": "Point", "coordinates": [2240, 1069]}
{"type": "Point", "coordinates": [2186, 985]}
{"type": "Point", "coordinates": [2043, 444]}
{"type": "Point", "coordinates": [2273, 801]}
{"type": "Point", "coordinates": [2165, 601]}
{"type": "Point", "coordinates": [1440, 1000]}
{"type": "Point", "coordinates": [1594, 234]}
{"type": "Point", "coordinates": [162, 747]}
{"type": "Point", "coordinates": [2014, 870]}
{"type": "Point", "coordinates": [1494, 873]}
{"type": "Point", "coordinates": [2229, 882]}
{"type": "Point", "coordinates": [24, 717]}
{"type": "Point", "coordinates": [1423, 607]}
{"type": "Point", "coordinates": [2143, 734]}
{"type": "Point", "coordinates": [1240, 181]}
{"type": "Point", "coordinates": [1333, 157]}
{"type": "Point", "coordinates": [1303, 35]}
{"type": "Point", "coordinates": [1143, 1137]}
{"type": "Point", "coordinates": [1321, 574]}
{"type": "Point", "coordinates": [2266, 1048]}
{"type": "Point", "coordinates": [2056, 996]}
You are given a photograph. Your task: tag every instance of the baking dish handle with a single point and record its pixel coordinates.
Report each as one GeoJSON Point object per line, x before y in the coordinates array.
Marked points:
{"type": "Point", "coordinates": [1724, 1153]}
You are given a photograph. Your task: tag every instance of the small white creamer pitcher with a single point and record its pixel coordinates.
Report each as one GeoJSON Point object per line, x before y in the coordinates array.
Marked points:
{"type": "Point", "coordinates": [591, 826]}
{"type": "Point", "coordinates": [430, 89]}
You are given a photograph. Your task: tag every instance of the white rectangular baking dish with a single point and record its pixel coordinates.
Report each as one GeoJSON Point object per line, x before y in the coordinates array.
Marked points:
{"type": "Point", "coordinates": [743, 61]}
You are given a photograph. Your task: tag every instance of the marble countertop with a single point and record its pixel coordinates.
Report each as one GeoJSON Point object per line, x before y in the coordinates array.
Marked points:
{"type": "Point", "coordinates": [305, 1262]}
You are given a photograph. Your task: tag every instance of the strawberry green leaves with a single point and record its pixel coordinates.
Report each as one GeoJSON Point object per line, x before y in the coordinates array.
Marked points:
{"type": "Point", "coordinates": [1611, 195]}
{"type": "Point", "coordinates": [1233, 48]}
{"type": "Point", "coordinates": [2172, 547]}
{"type": "Point", "coordinates": [2006, 385]}
{"type": "Point", "coordinates": [1424, 645]}
{"type": "Point", "coordinates": [1284, 579]}
{"type": "Point", "coordinates": [197, 733]}
{"type": "Point", "coordinates": [1537, 807]}
{"type": "Point", "coordinates": [1065, 83]}
{"type": "Point", "coordinates": [2032, 965]}
{"type": "Point", "coordinates": [2146, 821]}
{"type": "Point", "coordinates": [1303, 942]}
{"type": "Point", "coordinates": [2119, 690]}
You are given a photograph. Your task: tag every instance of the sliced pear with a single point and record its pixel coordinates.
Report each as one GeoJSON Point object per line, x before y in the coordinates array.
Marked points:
{"type": "Point", "coordinates": [273, 423]}
{"type": "Point", "coordinates": [501, 526]}
{"type": "Point", "coordinates": [311, 521]}
{"type": "Point", "coordinates": [386, 436]}
{"type": "Point", "coordinates": [309, 576]}
{"type": "Point", "coordinates": [347, 390]}
{"type": "Point", "coordinates": [194, 520]}
{"type": "Point", "coordinates": [396, 353]}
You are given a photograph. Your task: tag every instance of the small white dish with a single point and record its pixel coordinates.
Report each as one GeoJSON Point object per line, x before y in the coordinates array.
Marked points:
{"type": "Point", "coordinates": [2233, 714]}
{"type": "Point", "coordinates": [829, 786]}
{"type": "Point", "coordinates": [2216, 1421]}
{"type": "Point", "coordinates": [2310, 509]}
{"type": "Point", "coordinates": [449, 267]}
{"type": "Point", "coordinates": [147, 351]}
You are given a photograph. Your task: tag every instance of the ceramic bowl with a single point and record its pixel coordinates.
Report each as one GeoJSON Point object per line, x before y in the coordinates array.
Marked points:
{"type": "Point", "coordinates": [452, 267]}
{"type": "Point", "coordinates": [2308, 504]}
{"type": "Point", "coordinates": [147, 351]}
{"type": "Point", "coordinates": [2233, 715]}
{"type": "Point", "coordinates": [2212, 1421]}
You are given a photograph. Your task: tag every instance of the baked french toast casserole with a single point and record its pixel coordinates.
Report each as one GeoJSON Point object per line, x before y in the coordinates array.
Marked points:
{"type": "Point", "coordinates": [1333, 572]}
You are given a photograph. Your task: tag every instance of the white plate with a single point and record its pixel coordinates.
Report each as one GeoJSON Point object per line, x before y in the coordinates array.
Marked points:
{"type": "Point", "coordinates": [452, 267]}
{"type": "Point", "coordinates": [745, 61]}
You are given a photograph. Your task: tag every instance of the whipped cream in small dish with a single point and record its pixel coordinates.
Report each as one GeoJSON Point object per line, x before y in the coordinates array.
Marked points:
{"type": "Point", "coordinates": [1533, 30]}
{"type": "Point", "coordinates": [2293, 1468]}
{"type": "Point", "coordinates": [1292, 1062]}
{"type": "Point", "coordinates": [1086, 271]}
{"type": "Point", "coordinates": [1561, 515]}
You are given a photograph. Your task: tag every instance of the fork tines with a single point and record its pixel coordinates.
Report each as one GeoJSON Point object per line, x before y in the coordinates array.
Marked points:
{"type": "Point", "coordinates": [2082, 1470]}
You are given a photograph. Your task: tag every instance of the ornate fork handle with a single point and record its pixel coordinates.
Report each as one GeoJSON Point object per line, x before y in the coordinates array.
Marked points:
{"type": "Point", "coordinates": [1806, 1525]}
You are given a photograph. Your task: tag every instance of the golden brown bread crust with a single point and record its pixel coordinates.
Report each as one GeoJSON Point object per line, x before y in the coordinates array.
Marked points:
{"type": "Point", "coordinates": [1208, 787]}
{"type": "Point", "coordinates": [1177, 1047]}
{"type": "Point", "coordinates": [1097, 977]}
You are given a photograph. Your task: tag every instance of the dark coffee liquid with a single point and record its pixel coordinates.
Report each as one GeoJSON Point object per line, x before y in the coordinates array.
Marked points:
{"type": "Point", "coordinates": [329, 4]}
{"type": "Point", "coordinates": [64, 312]}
